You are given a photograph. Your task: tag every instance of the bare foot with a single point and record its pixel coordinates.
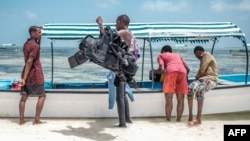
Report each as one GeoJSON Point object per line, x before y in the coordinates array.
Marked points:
{"type": "Point", "coordinates": [194, 122]}
{"type": "Point", "coordinates": [38, 122]}
{"type": "Point", "coordinates": [22, 122]}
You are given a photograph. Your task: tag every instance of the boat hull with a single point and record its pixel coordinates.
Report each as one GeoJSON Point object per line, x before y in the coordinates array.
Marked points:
{"type": "Point", "coordinates": [147, 103]}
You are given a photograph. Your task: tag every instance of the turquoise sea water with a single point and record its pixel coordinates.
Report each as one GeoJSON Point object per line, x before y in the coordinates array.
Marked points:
{"type": "Point", "coordinates": [11, 64]}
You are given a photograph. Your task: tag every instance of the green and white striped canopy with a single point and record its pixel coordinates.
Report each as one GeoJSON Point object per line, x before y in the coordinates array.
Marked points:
{"type": "Point", "coordinates": [174, 31]}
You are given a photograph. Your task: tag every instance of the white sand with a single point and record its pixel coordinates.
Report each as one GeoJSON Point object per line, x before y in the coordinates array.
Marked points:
{"type": "Point", "coordinates": [102, 129]}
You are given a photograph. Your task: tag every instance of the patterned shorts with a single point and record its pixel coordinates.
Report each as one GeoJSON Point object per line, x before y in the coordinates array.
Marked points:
{"type": "Point", "coordinates": [199, 87]}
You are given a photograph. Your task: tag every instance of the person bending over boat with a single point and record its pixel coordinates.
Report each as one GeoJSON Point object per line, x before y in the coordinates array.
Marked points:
{"type": "Point", "coordinates": [175, 80]}
{"type": "Point", "coordinates": [205, 80]}
{"type": "Point", "coordinates": [122, 23]}
{"type": "Point", "coordinates": [32, 78]}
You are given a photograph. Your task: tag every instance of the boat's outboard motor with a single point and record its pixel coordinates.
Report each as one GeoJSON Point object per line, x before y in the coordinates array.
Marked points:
{"type": "Point", "coordinates": [108, 51]}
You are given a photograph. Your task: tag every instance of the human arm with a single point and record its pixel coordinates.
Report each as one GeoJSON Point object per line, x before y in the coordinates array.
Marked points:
{"type": "Point", "coordinates": [161, 67]}
{"type": "Point", "coordinates": [204, 64]}
{"type": "Point", "coordinates": [125, 35]}
{"type": "Point", "coordinates": [99, 21]}
{"type": "Point", "coordinates": [27, 68]}
{"type": "Point", "coordinates": [185, 65]}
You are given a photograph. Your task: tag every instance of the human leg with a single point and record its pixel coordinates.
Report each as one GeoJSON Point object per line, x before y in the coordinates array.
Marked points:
{"type": "Point", "coordinates": [181, 90]}
{"type": "Point", "coordinates": [121, 104]}
{"type": "Point", "coordinates": [22, 103]}
{"type": "Point", "coordinates": [180, 106]}
{"type": "Point", "coordinates": [202, 88]}
{"type": "Point", "coordinates": [39, 107]}
{"type": "Point", "coordinates": [169, 88]}
{"type": "Point", "coordinates": [190, 97]}
{"type": "Point", "coordinates": [37, 91]}
{"type": "Point", "coordinates": [168, 105]}
{"type": "Point", "coordinates": [197, 120]}
{"type": "Point", "coordinates": [199, 112]}
{"type": "Point", "coordinates": [190, 108]}
{"type": "Point", "coordinates": [127, 113]}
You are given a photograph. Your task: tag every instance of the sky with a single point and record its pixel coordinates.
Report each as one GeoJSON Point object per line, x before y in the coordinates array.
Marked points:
{"type": "Point", "coordinates": [16, 16]}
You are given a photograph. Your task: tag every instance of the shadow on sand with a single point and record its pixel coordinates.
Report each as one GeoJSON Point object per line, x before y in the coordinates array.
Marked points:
{"type": "Point", "coordinates": [95, 131]}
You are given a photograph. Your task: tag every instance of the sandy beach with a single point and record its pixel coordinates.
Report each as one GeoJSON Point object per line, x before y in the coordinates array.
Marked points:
{"type": "Point", "coordinates": [103, 129]}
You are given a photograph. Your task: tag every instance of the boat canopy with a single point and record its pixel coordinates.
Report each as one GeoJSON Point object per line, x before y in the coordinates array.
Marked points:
{"type": "Point", "coordinates": [180, 32]}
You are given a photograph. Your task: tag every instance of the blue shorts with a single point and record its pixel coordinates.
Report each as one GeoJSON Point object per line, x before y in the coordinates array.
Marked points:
{"type": "Point", "coordinates": [199, 87]}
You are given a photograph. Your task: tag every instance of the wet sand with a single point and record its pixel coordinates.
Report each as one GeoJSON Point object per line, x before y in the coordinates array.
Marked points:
{"type": "Point", "coordinates": [102, 129]}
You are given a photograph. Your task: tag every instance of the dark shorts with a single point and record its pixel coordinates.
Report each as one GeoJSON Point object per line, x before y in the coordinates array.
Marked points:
{"type": "Point", "coordinates": [33, 90]}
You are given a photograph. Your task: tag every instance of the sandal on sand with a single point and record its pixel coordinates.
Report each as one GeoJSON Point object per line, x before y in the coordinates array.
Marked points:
{"type": "Point", "coordinates": [194, 122]}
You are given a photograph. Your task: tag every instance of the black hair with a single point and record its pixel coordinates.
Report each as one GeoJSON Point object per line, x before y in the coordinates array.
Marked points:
{"type": "Point", "coordinates": [124, 18]}
{"type": "Point", "coordinates": [33, 29]}
{"type": "Point", "coordinates": [166, 48]}
{"type": "Point", "coordinates": [199, 48]}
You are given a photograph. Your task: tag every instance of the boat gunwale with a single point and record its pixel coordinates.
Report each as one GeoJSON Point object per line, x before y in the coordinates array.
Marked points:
{"type": "Point", "coordinates": [135, 91]}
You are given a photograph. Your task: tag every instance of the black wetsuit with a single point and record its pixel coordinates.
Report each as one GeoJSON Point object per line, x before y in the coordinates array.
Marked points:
{"type": "Point", "coordinates": [122, 102]}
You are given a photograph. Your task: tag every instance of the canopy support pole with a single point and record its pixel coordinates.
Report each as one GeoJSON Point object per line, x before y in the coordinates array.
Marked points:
{"type": "Point", "coordinates": [52, 62]}
{"type": "Point", "coordinates": [245, 44]}
{"type": "Point", "coordinates": [215, 39]}
{"type": "Point", "coordinates": [151, 59]}
{"type": "Point", "coordinates": [143, 58]}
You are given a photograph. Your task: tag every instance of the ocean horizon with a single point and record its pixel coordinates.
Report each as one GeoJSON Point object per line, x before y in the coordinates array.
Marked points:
{"type": "Point", "coordinates": [11, 64]}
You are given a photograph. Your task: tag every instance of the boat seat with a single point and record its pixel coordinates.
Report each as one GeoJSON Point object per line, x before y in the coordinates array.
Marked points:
{"type": "Point", "coordinates": [226, 82]}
